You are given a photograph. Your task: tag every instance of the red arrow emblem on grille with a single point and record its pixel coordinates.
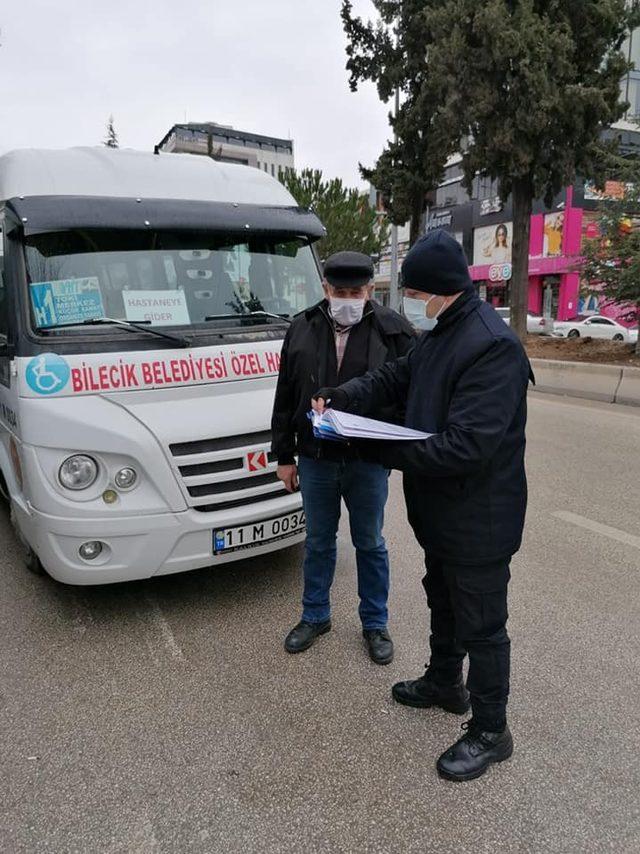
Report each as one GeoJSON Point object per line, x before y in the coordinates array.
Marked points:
{"type": "Point", "coordinates": [256, 460]}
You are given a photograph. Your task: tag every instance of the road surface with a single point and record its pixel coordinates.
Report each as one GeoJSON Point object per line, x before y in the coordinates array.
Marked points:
{"type": "Point", "coordinates": [165, 716]}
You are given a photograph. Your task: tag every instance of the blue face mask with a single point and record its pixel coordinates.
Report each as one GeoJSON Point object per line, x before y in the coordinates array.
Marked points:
{"type": "Point", "coordinates": [415, 310]}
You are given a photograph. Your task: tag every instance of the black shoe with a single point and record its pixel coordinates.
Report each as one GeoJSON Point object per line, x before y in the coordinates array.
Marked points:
{"type": "Point", "coordinates": [303, 635]}
{"type": "Point", "coordinates": [470, 757]}
{"type": "Point", "coordinates": [423, 693]}
{"type": "Point", "coordinates": [379, 644]}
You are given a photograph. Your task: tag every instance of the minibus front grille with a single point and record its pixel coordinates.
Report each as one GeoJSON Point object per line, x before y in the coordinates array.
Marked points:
{"type": "Point", "coordinates": [211, 468]}
{"type": "Point", "coordinates": [232, 485]}
{"type": "Point", "coordinates": [239, 502]}
{"type": "Point", "coordinates": [211, 446]}
{"type": "Point", "coordinates": [216, 473]}
{"type": "Point", "coordinates": [221, 465]}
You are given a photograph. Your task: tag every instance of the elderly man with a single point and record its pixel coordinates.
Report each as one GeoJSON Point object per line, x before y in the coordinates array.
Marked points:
{"type": "Point", "coordinates": [465, 487]}
{"type": "Point", "coordinates": [343, 337]}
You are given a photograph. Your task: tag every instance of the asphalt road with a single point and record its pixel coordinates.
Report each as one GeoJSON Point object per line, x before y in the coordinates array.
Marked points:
{"type": "Point", "coordinates": [166, 717]}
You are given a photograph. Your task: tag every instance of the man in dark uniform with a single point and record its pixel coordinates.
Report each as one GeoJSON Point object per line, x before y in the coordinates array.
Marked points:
{"type": "Point", "coordinates": [343, 337]}
{"type": "Point", "coordinates": [465, 487]}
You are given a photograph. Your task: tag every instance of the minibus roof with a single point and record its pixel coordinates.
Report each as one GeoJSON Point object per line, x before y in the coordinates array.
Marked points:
{"type": "Point", "coordinates": [107, 172]}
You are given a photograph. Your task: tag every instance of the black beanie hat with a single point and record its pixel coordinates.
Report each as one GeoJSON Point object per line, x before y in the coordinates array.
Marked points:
{"type": "Point", "coordinates": [436, 264]}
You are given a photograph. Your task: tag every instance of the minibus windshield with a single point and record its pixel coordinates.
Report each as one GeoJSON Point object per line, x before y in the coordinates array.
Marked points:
{"type": "Point", "coordinates": [177, 278]}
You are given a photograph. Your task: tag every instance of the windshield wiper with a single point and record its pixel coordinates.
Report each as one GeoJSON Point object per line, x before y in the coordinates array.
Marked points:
{"type": "Point", "coordinates": [256, 314]}
{"type": "Point", "coordinates": [284, 317]}
{"type": "Point", "coordinates": [181, 340]}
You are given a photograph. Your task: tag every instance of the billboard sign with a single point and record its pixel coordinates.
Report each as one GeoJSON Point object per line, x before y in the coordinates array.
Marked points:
{"type": "Point", "coordinates": [553, 230]}
{"type": "Point", "coordinates": [492, 244]}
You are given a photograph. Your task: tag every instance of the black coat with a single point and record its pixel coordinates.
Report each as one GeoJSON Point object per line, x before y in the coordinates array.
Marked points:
{"type": "Point", "coordinates": [466, 382]}
{"type": "Point", "coordinates": [308, 361]}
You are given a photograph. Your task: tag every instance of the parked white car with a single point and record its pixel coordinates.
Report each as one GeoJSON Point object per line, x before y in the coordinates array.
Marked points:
{"type": "Point", "coordinates": [596, 327]}
{"type": "Point", "coordinates": [536, 325]}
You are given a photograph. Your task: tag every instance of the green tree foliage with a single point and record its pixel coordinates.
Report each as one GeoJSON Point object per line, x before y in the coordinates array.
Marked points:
{"type": "Point", "coordinates": [349, 219]}
{"type": "Point", "coordinates": [611, 262]}
{"type": "Point", "coordinates": [111, 139]}
{"type": "Point", "coordinates": [531, 85]}
{"type": "Point", "coordinates": [391, 52]}
{"type": "Point", "coordinates": [524, 86]}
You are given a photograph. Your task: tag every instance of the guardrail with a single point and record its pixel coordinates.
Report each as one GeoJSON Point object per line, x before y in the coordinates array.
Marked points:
{"type": "Point", "coordinates": [610, 383]}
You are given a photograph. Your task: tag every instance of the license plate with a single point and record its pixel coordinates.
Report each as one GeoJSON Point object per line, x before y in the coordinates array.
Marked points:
{"type": "Point", "coordinates": [266, 531]}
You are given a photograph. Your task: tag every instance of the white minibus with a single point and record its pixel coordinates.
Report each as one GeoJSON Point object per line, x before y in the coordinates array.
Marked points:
{"type": "Point", "coordinates": [143, 303]}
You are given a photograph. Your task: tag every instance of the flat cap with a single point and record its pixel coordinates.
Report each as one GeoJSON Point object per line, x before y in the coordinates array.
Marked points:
{"type": "Point", "coordinates": [348, 269]}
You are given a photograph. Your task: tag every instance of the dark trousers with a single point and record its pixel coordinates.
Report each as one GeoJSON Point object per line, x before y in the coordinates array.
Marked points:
{"type": "Point", "coordinates": [469, 615]}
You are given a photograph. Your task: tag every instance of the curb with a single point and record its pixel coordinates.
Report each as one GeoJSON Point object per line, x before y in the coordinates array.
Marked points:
{"type": "Point", "coordinates": [609, 383]}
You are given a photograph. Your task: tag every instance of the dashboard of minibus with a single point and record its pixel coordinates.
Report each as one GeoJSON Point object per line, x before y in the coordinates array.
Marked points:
{"type": "Point", "coordinates": [101, 283]}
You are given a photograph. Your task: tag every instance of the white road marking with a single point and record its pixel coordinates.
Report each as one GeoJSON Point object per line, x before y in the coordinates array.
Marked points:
{"type": "Point", "coordinates": [598, 528]}
{"type": "Point", "coordinates": [161, 623]}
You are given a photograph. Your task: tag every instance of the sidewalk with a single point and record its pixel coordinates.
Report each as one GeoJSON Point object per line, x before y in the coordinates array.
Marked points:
{"type": "Point", "coordinates": [610, 383]}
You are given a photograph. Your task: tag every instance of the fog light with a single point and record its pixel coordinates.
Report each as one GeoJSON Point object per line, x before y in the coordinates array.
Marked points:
{"type": "Point", "coordinates": [90, 550]}
{"type": "Point", "coordinates": [126, 478]}
{"type": "Point", "coordinates": [109, 496]}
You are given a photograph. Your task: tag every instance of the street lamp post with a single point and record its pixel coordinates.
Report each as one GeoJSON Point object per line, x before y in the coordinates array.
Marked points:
{"type": "Point", "coordinates": [393, 275]}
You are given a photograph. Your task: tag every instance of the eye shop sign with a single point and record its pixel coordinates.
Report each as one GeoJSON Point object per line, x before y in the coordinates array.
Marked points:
{"type": "Point", "coordinates": [50, 373]}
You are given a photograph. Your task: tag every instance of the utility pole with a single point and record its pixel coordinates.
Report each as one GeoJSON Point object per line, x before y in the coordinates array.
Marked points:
{"type": "Point", "coordinates": [393, 276]}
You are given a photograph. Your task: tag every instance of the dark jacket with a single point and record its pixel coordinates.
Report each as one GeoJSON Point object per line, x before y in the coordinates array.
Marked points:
{"type": "Point", "coordinates": [466, 382]}
{"type": "Point", "coordinates": [309, 361]}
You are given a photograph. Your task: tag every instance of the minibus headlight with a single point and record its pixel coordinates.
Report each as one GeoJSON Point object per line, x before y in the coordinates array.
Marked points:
{"type": "Point", "coordinates": [78, 472]}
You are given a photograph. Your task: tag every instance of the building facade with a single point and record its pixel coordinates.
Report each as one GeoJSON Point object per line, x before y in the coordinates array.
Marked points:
{"type": "Point", "coordinates": [631, 82]}
{"type": "Point", "coordinates": [483, 223]}
{"type": "Point", "coordinates": [223, 142]}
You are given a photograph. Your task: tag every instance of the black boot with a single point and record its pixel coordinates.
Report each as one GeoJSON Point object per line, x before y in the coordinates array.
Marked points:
{"type": "Point", "coordinates": [423, 693]}
{"type": "Point", "coordinates": [379, 644]}
{"type": "Point", "coordinates": [303, 635]}
{"type": "Point", "coordinates": [471, 755]}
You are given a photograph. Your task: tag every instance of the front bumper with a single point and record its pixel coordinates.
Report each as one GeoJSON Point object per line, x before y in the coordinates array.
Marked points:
{"type": "Point", "coordinates": [140, 547]}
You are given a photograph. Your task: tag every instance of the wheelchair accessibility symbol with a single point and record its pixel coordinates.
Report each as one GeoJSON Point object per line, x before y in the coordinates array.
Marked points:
{"type": "Point", "coordinates": [47, 374]}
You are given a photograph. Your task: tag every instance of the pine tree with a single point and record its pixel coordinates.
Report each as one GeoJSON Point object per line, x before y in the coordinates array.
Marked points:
{"type": "Point", "coordinates": [391, 54]}
{"type": "Point", "coordinates": [111, 140]}
{"type": "Point", "coordinates": [525, 87]}
{"type": "Point", "coordinates": [350, 221]}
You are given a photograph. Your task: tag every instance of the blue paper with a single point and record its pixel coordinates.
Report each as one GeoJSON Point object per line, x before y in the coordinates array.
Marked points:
{"type": "Point", "coordinates": [325, 431]}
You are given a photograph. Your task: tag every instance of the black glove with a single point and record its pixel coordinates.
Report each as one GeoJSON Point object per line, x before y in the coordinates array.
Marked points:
{"type": "Point", "coordinates": [334, 398]}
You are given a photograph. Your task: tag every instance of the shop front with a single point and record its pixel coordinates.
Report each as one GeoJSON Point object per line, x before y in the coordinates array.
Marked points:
{"type": "Point", "coordinates": [554, 250]}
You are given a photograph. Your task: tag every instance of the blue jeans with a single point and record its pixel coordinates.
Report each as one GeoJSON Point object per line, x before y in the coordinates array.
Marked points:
{"type": "Point", "coordinates": [364, 487]}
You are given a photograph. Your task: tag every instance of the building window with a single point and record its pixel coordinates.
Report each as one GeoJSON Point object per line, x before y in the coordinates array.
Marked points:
{"type": "Point", "coordinates": [631, 49]}
{"type": "Point", "coordinates": [452, 172]}
{"type": "Point", "coordinates": [273, 170]}
{"type": "Point", "coordinates": [451, 194]}
{"type": "Point", "coordinates": [634, 94]}
{"type": "Point", "coordinates": [484, 188]}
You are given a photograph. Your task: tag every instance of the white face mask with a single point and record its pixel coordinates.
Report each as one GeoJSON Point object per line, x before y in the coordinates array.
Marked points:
{"type": "Point", "coordinates": [415, 310]}
{"type": "Point", "coordinates": [346, 312]}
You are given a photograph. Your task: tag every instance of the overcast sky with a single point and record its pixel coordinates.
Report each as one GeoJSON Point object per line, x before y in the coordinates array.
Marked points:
{"type": "Point", "coordinates": [269, 67]}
